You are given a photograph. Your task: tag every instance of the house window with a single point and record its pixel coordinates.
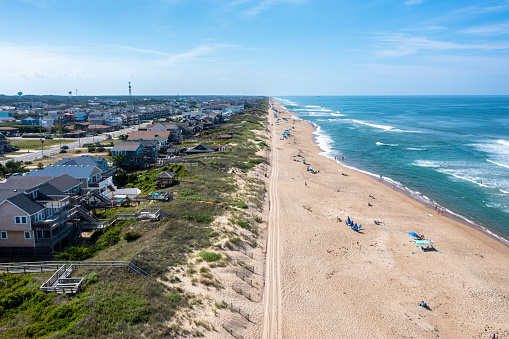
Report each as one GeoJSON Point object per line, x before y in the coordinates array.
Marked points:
{"type": "Point", "coordinates": [3, 235]}
{"type": "Point", "coordinates": [27, 235]}
{"type": "Point", "coordinates": [20, 220]}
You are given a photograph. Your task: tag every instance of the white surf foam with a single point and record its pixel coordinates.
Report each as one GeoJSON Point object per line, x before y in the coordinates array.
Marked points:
{"type": "Point", "coordinates": [382, 144]}
{"type": "Point", "coordinates": [323, 140]}
{"type": "Point", "coordinates": [496, 163]}
{"type": "Point", "coordinates": [427, 163]}
{"type": "Point", "coordinates": [503, 142]}
{"type": "Point", "coordinates": [384, 127]}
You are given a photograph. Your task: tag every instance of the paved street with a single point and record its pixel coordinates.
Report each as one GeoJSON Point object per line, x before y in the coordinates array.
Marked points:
{"type": "Point", "coordinates": [55, 149]}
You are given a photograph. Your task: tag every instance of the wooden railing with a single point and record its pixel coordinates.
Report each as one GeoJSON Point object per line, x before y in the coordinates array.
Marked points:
{"type": "Point", "coordinates": [48, 266]}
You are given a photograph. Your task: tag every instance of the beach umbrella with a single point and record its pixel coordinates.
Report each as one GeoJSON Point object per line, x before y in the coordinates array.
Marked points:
{"type": "Point", "coordinates": [415, 235]}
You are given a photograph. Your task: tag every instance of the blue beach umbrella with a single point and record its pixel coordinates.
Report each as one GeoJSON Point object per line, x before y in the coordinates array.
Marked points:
{"type": "Point", "coordinates": [415, 235]}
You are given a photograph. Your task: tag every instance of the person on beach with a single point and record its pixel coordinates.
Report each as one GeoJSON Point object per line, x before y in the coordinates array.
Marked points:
{"type": "Point", "coordinates": [305, 184]}
{"type": "Point", "coordinates": [380, 179]}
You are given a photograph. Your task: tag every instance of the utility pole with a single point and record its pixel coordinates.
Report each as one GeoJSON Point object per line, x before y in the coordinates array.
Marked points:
{"type": "Point", "coordinates": [42, 141]}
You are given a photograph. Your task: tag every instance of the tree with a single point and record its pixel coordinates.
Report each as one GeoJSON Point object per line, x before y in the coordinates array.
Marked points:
{"type": "Point", "coordinates": [58, 128]}
{"type": "Point", "coordinates": [118, 160]}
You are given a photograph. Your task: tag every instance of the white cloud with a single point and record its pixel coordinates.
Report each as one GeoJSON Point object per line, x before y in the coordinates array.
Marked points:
{"type": "Point", "coordinates": [140, 50]}
{"type": "Point", "coordinates": [396, 45]}
{"type": "Point", "coordinates": [103, 69]}
{"type": "Point", "coordinates": [497, 29]}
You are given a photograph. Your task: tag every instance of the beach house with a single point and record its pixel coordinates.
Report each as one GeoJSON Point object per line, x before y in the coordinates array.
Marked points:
{"type": "Point", "coordinates": [37, 214]}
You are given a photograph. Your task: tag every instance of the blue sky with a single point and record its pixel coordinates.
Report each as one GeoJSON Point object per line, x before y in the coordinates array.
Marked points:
{"type": "Point", "coordinates": [262, 47]}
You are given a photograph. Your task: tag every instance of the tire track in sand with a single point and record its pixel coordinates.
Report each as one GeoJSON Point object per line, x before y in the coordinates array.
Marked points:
{"type": "Point", "coordinates": [272, 320]}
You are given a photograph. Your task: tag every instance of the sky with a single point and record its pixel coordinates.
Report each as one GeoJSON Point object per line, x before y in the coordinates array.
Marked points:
{"type": "Point", "coordinates": [254, 47]}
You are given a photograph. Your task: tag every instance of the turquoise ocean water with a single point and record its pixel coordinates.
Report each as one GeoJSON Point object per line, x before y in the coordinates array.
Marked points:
{"type": "Point", "coordinates": [450, 151]}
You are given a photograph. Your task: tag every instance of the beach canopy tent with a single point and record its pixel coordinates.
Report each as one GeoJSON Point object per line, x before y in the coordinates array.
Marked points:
{"type": "Point", "coordinates": [424, 245]}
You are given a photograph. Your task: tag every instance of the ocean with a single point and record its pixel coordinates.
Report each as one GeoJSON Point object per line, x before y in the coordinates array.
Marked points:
{"type": "Point", "coordinates": [451, 151]}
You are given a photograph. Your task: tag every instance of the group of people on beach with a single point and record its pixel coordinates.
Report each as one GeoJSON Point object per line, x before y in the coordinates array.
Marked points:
{"type": "Point", "coordinates": [311, 170]}
{"type": "Point", "coordinates": [439, 210]}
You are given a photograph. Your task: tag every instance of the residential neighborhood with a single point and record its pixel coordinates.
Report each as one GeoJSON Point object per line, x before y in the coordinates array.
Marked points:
{"type": "Point", "coordinates": [46, 207]}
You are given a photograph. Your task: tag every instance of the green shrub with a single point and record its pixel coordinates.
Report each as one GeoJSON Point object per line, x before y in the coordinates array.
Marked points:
{"type": "Point", "coordinates": [75, 253]}
{"type": "Point", "coordinates": [210, 256]}
{"type": "Point", "coordinates": [241, 204]}
{"type": "Point", "coordinates": [243, 223]}
{"type": "Point", "coordinates": [131, 236]}
{"type": "Point", "coordinates": [91, 278]}
{"type": "Point", "coordinates": [198, 217]}
{"type": "Point", "coordinates": [174, 297]}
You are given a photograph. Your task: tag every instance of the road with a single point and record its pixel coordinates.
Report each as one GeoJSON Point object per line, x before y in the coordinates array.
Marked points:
{"type": "Point", "coordinates": [55, 149]}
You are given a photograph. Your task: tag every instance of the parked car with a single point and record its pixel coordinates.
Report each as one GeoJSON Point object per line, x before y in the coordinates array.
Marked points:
{"type": "Point", "coordinates": [65, 147]}
{"type": "Point", "coordinates": [48, 137]}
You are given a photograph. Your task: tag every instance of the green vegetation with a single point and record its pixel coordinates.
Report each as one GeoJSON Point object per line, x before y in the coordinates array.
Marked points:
{"type": "Point", "coordinates": [27, 312]}
{"type": "Point", "coordinates": [12, 166]}
{"type": "Point", "coordinates": [243, 224]}
{"type": "Point", "coordinates": [102, 239]}
{"type": "Point", "coordinates": [241, 204]}
{"type": "Point", "coordinates": [131, 236]}
{"type": "Point", "coordinates": [146, 181]}
{"type": "Point", "coordinates": [210, 256]}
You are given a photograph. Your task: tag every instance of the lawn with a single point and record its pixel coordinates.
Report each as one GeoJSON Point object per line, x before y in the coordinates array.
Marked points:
{"type": "Point", "coordinates": [36, 143]}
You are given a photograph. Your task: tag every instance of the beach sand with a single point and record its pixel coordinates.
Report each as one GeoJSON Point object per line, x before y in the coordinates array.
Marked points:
{"type": "Point", "coordinates": [324, 280]}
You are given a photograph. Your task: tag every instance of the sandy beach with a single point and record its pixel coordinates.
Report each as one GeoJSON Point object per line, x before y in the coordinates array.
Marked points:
{"type": "Point", "coordinates": [324, 280]}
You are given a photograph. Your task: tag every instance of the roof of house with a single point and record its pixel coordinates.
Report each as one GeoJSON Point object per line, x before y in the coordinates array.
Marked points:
{"type": "Point", "coordinates": [98, 127]}
{"type": "Point", "coordinates": [83, 160]}
{"type": "Point", "coordinates": [126, 146]}
{"type": "Point", "coordinates": [200, 148]}
{"type": "Point", "coordinates": [64, 182]}
{"type": "Point", "coordinates": [23, 183]}
{"type": "Point", "coordinates": [46, 191]}
{"type": "Point", "coordinates": [165, 175]}
{"type": "Point", "coordinates": [25, 203]}
{"type": "Point", "coordinates": [148, 134]}
{"type": "Point", "coordinates": [75, 171]}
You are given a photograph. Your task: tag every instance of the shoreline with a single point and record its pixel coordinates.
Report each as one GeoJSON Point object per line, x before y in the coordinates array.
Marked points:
{"type": "Point", "coordinates": [336, 282]}
{"type": "Point", "coordinates": [404, 189]}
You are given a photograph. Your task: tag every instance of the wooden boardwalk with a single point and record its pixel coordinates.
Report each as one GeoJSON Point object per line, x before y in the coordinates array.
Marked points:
{"type": "Point", "coordinates": [60, 281]}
